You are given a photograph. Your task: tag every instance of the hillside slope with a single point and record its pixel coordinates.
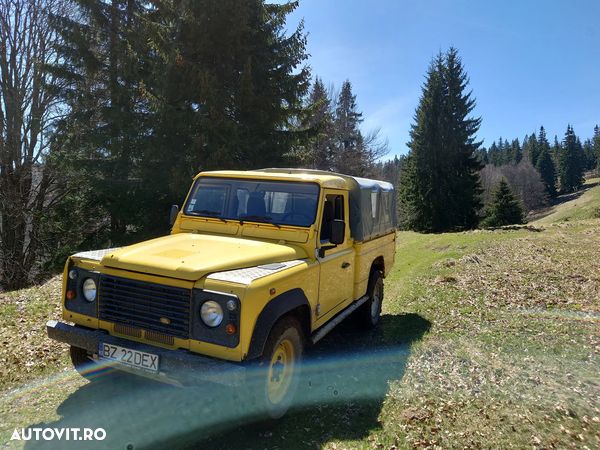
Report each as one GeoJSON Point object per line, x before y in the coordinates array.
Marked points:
{"type": "Point", "coordinates": [581, 205]}
{"type": "Point", "coordinates": [508, 358]}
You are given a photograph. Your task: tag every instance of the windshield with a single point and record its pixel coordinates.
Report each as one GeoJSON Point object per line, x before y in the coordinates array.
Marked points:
{"type": "Point", "coordinates": [276, 202]}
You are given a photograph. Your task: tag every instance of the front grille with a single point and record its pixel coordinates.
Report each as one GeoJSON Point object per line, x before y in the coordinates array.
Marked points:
{"type": "Point", "coordinates": [159, 337]}
{"type": "Point", "coordinates": [154, 307]}
{"type": "Point", "coordinates": [127, 330]}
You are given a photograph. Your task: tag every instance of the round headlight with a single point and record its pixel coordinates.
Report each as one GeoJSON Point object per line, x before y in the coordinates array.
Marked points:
{"type": "Point", "coordinates": [211, 313]}
{"type": "Point", "coordinates": [89, 289]}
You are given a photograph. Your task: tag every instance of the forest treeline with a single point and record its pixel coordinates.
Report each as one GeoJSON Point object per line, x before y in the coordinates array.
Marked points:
{"type": "Point", "coordinates": [108, 108]}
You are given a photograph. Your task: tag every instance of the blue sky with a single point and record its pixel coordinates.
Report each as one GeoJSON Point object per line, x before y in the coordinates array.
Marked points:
{"type": "Point", "coordinates": [530, 63]}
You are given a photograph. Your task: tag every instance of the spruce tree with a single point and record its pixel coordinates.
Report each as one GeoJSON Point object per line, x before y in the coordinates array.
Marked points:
{"type": "Point", "coordinates": [542, 141]}
{"type": "Point", "coordinates": [515, 152]}
{"type": "Point", "coordinates": [505, 209]}
{"type": "Point", "coordinates": [570, 162]}
{"type": "Point", "coordinates": [589, 155]}
{"type": "Point", "coordinates": [531, 149]}
{"type": "Point", "coordinates": [349, 148]}
{"type": "Point", "coordinates": [596, 145]}
{"type": "Point", "coordinates": [439, 187]}
{"type": "Point", "coordinates": [555, 151]}
{"type": "Point", "coordinates": [483, 155]}
{"type": "Point", "coordinates": [101, 71]}
{"type": "Point", "coordinates": [547, 170]}
{"type": "Point", "coordinates": [501, 152]}
{"type": "Point", "coordinates": [158, 91]}
{"type": "Point", "coordinates": [319, 154]}
{"type": "Point", "coordinates": [545, 164]}
{"type": "Point", "coordinates": [494, 154]}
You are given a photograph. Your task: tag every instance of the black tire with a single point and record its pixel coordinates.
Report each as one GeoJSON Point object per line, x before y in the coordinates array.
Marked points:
{"type": "Point", "coordinates": [83, 363]}
{"type": "Point", "coordinates": [369, 314]}
{"type": "Point", "coordinates": [280, 363]}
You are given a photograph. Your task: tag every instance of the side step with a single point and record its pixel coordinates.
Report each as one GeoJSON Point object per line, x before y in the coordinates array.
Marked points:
{"type": "Point", "coordinates": [322, 332]}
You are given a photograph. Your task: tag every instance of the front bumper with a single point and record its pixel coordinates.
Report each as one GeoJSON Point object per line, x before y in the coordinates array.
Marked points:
{"type": "Point", "coordinates": [180, 366]}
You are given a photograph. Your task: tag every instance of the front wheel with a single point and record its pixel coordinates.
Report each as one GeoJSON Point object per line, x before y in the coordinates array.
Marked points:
{"type": "Point", "coordinates": [369, 314]}
{"type": "Point", "coordinates": [280, 367]}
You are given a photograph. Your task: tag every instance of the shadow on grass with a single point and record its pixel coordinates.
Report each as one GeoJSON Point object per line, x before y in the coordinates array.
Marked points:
{"type": "Point", "coordinates": [343, 385]}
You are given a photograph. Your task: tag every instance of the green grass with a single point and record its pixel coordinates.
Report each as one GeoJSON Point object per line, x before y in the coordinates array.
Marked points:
{"type": "Point", "coordinates": [583, 207]}
{"type": "Point", "coordinates": [489, 339]}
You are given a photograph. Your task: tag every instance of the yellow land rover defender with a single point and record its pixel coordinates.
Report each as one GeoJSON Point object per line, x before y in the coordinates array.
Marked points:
{"type": "Point", "coordinates": [258, 265]}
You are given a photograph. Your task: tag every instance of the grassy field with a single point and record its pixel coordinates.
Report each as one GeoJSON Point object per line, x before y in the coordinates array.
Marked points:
{"type": "Point", "coordinates": [489, 339]}
{"type": "Point", "coordinates": [582, 205]}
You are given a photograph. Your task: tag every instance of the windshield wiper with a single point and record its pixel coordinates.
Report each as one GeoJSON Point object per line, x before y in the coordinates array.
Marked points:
{"type": "Point", "coordinates": [208, 212]}
{"type": "Point", "coordinates": [254, 218]}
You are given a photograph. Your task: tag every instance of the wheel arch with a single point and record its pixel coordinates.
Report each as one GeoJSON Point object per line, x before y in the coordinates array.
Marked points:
{"type": "Point", "coordinates": [378, 264]}
{"type": "Point", "coordinates": [292, 302]}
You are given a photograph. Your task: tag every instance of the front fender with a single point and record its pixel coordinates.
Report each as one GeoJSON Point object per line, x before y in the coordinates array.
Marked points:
{"type": "Point", "coordinates": [272, 312]}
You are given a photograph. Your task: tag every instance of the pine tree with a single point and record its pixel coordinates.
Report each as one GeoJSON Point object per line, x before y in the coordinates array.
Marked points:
{"type": "Point", "coordinates": [547, 170]}
{"type": "Point", "coordinates": [439, 187]}
{"type": "Point", "coordinates": [160, 91]}
{"type": "Point", "coordinates": [570, 167]}
{"type": "Point", "coordinates": [101, 71]}
{"type": "Point", "coordinates": [596, 144]}
{"type": "Point", "coordinates": [542, 141]}
{"type": "Point", "coordinates": [515, 152]}
{"type": "Point", "coordinates": [320, 120]}
{"type": "Point", "coordinates": [505, 209]}
{"type": "Point", "coordinates": [589, 155]}
{"type": "Point", "coordinates": [494, 154]}
{"type": "Point", "coordinates": [555, 151]}
{"type": "Point", "coordinates": [501, 152]}
{"type": "Point", "coordinates": [545, 164]}
{"type": "Point", "coordinates": [531, 149]}
{"type": "Point", "coordinates": [483, 155]}
{"type": "Point", "coordinates": [349, 150]}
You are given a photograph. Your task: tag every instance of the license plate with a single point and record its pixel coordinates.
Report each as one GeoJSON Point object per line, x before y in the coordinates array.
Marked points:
{"type": "Point", "coordinates": [129, 357]}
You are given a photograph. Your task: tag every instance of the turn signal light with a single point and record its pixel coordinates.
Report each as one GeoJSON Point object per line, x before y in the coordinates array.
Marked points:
{"type": "Point", "coordinates": [230, 328]}
{"type": "Point", "coordinates": [70, 294]}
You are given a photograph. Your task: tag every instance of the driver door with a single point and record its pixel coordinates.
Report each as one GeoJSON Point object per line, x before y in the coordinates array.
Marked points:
{"type": "Point", "coordinates": [336, 281]}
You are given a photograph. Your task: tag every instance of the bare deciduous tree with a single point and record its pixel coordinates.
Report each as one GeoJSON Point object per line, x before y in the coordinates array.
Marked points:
{"type": "Point", "coordinates": [524, 181]}
{"type": "Point", "coordinates": [29, 107]}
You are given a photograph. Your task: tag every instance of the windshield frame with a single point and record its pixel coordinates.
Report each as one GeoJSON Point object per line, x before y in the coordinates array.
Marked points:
{"type": "Point", "coordinates": [253, 219]}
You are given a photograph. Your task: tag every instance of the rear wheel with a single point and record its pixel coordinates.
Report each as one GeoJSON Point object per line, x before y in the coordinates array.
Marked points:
{"type": "Point", "coordinates": [280, 367]}
{"type": "Point", "coordinates": [369, 314]}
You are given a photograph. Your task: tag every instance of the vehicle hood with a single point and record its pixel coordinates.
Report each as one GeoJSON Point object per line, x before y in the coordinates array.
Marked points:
{"type": "Point", "coordinates": [190, 256]}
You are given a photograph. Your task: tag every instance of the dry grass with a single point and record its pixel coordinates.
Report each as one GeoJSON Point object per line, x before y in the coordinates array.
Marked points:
{"type": "Point", "coordinates": [512, 360]}
{"type": "Point", "coordinates": [26, 353]}
{"type": "Point", "coordinates": [559, 268]}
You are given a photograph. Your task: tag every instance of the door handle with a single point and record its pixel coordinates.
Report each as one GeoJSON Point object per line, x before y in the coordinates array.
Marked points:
{"type": "Point", "coordinates": [345, 264]}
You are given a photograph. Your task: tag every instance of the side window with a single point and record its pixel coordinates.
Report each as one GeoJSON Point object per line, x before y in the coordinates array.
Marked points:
{"type": "Point", "coordinates": [332, 209]}
{"type": "Point", "coordinates": [374, 196]}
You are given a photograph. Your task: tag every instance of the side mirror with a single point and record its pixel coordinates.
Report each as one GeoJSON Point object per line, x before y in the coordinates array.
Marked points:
{"type": "Point", "coordinates": [338, 231]}
{"type": "Point", "coordinates": [173, 215]}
